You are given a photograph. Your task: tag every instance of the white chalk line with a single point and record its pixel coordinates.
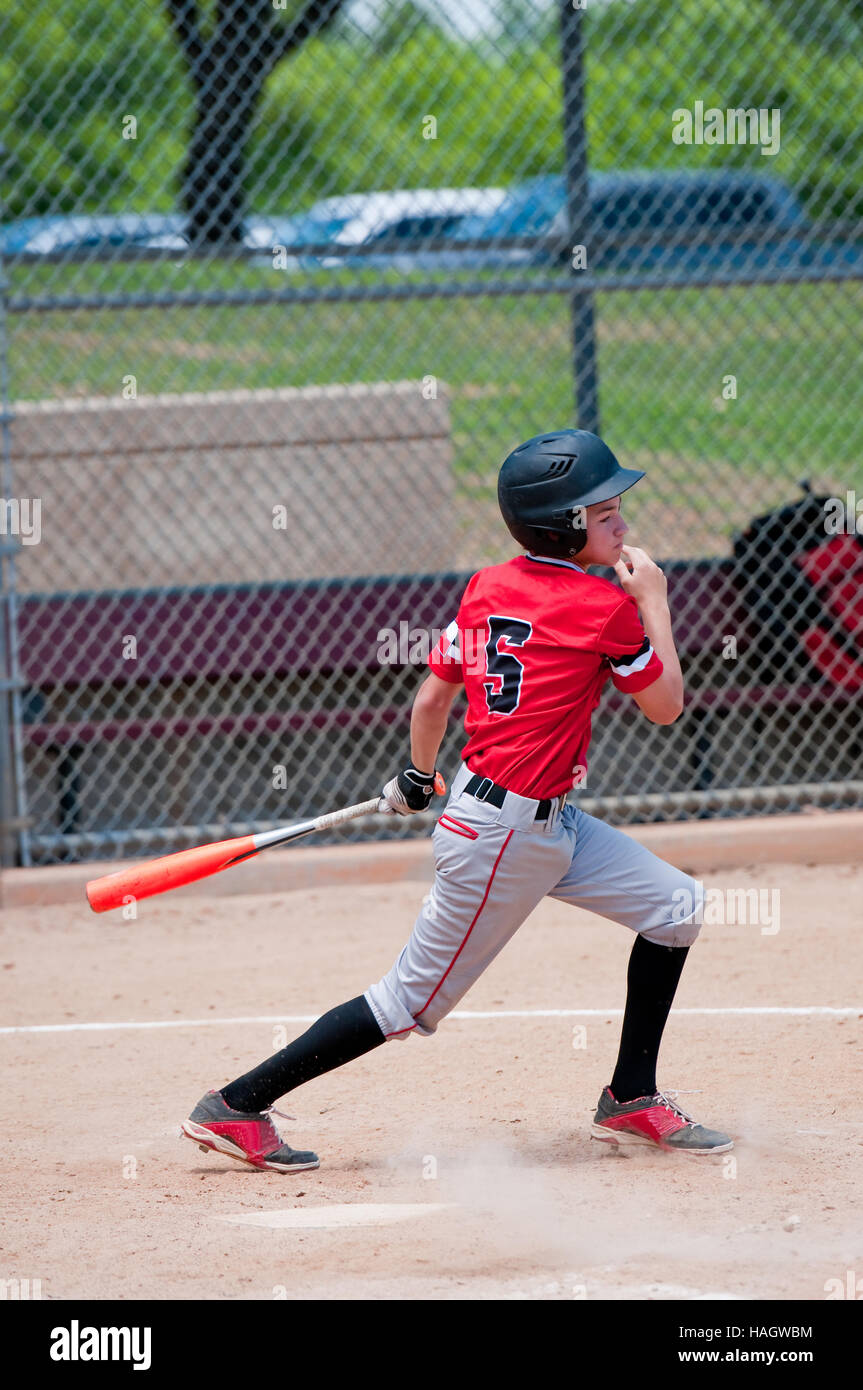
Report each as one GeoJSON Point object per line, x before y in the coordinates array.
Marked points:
{"type": "Point", "coordinates": [339, 1215]}
{"type": "Point", "coordinates": [459, 1015]}
{"type": "Point", "coordinates": [592, 1289]}
{"type": "Point", "coordinates": [663, 1292]}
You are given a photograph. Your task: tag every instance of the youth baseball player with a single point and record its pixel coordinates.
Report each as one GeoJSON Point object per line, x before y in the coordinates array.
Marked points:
{"type": "Point", "coordinates": [533, 644]}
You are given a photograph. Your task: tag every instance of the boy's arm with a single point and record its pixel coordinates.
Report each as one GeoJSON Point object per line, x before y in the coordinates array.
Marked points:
{"type": "Point", "coordinates": [411, 790]}
{"type": "Point", "coordinates": [661, 702]}
{"type": "Point", "coordinates": [429, 719]}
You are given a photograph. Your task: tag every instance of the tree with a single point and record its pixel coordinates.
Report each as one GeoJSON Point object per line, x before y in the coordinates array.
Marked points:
{"type": "Point", "coordinates": [228, 68]}
{"type": "Point", "coordinates": [399, 21]}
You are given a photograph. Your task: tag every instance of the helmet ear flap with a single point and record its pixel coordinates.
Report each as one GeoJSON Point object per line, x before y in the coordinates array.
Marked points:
{"type": "Point", "coordinates": [559, 545]}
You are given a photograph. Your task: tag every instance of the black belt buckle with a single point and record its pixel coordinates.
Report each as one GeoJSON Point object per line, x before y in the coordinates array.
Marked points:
{"type": "Point", "coordinates": [483, 789]}
{"type": "Point", "coordinates": [547, 805]}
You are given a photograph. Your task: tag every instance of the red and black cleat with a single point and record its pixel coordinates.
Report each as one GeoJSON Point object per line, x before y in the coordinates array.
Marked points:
{"type": "Point", "coordinates": [655, 1120]}
{"type": "Point", "coordinates": [251, 1139]}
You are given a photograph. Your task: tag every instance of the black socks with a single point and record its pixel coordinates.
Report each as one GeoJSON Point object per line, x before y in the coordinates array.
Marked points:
{"type": "Point", "coordinates": [651, 982]}
{"type": "Point", "coordinates": [339, 1036]}
{"type": "Point", "coordinates": [350, 1030]}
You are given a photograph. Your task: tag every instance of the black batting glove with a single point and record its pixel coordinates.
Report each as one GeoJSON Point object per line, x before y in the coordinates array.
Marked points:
{"type": "Point", "coordinates": [409, 792]}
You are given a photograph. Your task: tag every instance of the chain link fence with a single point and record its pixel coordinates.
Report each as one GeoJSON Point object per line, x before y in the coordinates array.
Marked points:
{"type": "Point", "coordinates": [281, 286]}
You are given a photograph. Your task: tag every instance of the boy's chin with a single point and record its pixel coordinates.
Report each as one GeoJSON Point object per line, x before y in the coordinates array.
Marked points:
{"type": "Point", "coordinates": [607, 560]}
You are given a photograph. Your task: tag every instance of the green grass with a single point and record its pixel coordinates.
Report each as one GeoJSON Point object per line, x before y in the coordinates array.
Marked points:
{"type": "Point", "coordinates": [506, 363]}
{"type": "Point", "coordinates": [794, 349]}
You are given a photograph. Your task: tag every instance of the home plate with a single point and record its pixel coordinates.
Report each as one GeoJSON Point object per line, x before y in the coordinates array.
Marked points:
{"type": "Point", "coordinates": [343, 1214]}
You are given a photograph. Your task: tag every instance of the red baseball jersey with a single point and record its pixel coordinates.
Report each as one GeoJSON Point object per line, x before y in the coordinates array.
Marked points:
{"type": "Point", "coordinates": [534, 642]}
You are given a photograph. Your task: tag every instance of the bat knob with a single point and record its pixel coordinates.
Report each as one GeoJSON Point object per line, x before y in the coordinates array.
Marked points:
{"type": "Point", "coordinates": [439, 784]}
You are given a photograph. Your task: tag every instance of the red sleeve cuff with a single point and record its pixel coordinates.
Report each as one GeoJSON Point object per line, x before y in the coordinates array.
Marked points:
{"type": "Point", "coordinates": [447, 670]}
{"type": "Point", "coordinates": [639, 680]}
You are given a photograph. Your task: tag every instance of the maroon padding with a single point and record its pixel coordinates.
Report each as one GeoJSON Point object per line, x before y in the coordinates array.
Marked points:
{"type": "Point", "coordinates": [761, 697]}
{"type": "Point", "coordinates": [705, 604]}
{"type": "Point", "coordinates": [255, 630]}
{"type": "Point", "coordinates": [331, 626]}
{"type": "Point", "coordinates": [115, 730]}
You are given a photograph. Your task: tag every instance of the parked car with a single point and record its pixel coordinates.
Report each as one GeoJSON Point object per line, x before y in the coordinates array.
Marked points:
{"type": "Point", "coordinates": [78, 234]}
{"type": "Point", "coordinates": [101, 236]}
{"type": "Point", "coordinates": [388, 230]}
{"type": "Point", "coordinates": [669, 221]}
{"type": "Point", "coordinates": [345, 223]}
{"type": "Point", "coordinates": [654, 221]}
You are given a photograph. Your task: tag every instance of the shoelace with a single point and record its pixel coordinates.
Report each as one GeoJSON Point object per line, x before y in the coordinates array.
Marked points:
{"type": "Point", "coordinates": [665, 1098]}
{"type": "Point", "coordinates": [271, 1110]}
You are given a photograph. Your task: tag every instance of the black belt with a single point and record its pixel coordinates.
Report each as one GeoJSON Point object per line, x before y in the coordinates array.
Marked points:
{"type": "Point", "coordinates": [484, 789]}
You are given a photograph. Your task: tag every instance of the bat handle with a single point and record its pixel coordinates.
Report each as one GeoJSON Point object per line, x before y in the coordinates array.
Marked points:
{"type": "Point", "coordinates": [331, 818]}
{"type": "Point", "coordinates": [365, 808]}
{"type": "Point", "coordinates": [268, 838]}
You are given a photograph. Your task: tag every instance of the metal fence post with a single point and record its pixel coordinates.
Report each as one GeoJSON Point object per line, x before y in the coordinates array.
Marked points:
{"type": "Point", "coordinates": [14, 840]}
{"type": "Point", "coordinates": [7, 838]}
{"type": "Point", "coordinates": [584, 361]}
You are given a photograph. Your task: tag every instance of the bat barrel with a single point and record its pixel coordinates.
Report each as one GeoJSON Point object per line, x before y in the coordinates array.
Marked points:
{"type": "Point", "coordinates": [188, 865]}
{"type": "Point", "coordinates": [171, 871]}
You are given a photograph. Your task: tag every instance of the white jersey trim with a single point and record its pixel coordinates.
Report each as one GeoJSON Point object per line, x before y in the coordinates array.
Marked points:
{"type": "Point", "coordinates": [450, 645]}
{"type": "Point", "coordinates": [625, 666]}
{"type": "Point", "coordinates": [548, 560]}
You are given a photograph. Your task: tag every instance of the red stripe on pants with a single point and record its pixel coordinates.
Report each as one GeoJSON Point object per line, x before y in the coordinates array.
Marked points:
{"type": "Point", "coordinates": [470, 928]}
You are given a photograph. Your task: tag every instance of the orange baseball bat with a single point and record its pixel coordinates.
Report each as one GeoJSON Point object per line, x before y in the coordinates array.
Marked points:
{"type": "Point", "coordinates": [188, 865]}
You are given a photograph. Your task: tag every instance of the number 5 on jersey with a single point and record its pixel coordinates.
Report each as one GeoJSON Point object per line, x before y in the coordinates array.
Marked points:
{"type": "Point", "coordinates": [503, 691]}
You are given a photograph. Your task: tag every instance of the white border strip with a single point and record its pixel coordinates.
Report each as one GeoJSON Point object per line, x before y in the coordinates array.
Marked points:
{"type": "Point", "coordinates": [468, 1015]}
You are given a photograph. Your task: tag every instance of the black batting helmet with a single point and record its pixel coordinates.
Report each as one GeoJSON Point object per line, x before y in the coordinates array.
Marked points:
{"type": "Point", "coordinates": [545, 482]}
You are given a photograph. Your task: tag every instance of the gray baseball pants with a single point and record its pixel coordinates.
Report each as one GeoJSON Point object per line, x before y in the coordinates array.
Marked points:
{"type": "Point", "coordinates": [492, 866]}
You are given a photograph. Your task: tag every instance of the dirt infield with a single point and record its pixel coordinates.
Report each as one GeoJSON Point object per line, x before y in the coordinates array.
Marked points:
{"type": "Point", "coordinates": [484, 1127]}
